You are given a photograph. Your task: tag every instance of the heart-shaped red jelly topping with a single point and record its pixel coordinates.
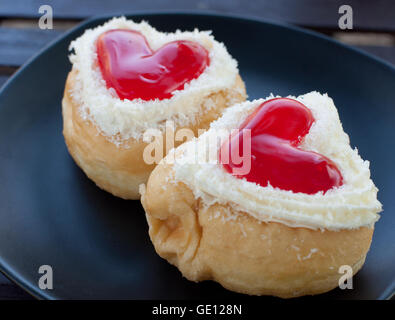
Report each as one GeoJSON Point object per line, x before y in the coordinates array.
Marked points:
{"type": "Point", "coordinates": [128, 64]}
{"type": "Point", "coordinates": [277, 128]}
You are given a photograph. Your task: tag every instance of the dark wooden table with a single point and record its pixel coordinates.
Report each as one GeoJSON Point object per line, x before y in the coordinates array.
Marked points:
{"type": "Point", "coordinates": [20, 37]}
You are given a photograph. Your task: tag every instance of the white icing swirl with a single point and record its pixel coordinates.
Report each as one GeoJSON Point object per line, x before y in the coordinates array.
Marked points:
{"type": "Point", "coordinates": [126, 119]}
{"type": "Point", "coordinates": [352, 205]}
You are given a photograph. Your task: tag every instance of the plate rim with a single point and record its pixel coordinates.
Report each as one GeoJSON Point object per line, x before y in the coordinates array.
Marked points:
{"type": "Point", "coordinates": [27, 286]}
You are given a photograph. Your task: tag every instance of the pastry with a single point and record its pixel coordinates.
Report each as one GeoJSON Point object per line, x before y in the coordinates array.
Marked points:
{"type": "Point", "coordinates": [128, 78]}
{"type": "Point", "coordinates": [304, 207]}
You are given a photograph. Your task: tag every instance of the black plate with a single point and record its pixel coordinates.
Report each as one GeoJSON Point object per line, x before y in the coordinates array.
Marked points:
{"type": "Point", "coordinates": [98, 245]}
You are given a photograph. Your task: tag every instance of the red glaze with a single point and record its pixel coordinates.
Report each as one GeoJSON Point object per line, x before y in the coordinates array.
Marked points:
{"type": "Point", "coordinates": [128, 64]}
{"type": "Point", "coordinates": [277, 128]}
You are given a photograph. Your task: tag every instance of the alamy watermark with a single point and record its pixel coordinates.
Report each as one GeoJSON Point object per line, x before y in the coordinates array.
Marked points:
{"type": "Point", "coordinates": [345, 281]}
{"type": "Point", "coordinates": [45, 281]}
{"type": "Point", "coordinates": [220, 146]}
{"type": "Point", "coordinates": [46, 20]}
{"type": "Point", "coordinates": [346, 18]}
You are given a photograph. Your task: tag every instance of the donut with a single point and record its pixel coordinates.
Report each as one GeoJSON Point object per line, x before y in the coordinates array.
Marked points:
{"type": "Point", "coordinates": [304, 207]}
{"type": "Point", "coordinates": [127, 78]}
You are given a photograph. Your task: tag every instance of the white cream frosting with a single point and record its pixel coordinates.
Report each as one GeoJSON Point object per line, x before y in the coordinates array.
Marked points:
{"type": "Point", "coordinates": [124, 119]}
{"type": "Point", "coordinates": [352, 205]}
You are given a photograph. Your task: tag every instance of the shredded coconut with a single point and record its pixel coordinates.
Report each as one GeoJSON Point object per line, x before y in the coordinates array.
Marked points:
{"type": "Point", "coordinates": [352, 205]}
{"type": "Point", "coordinates": [123, 119]}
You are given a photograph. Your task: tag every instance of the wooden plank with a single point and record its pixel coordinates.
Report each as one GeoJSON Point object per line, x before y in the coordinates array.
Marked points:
{"type": "Point", "coordinates": [17, 45]}
{"type": "Point", "coordinates": [368, 15]}
{"type": "Point", "coordinates": [19, 23]}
